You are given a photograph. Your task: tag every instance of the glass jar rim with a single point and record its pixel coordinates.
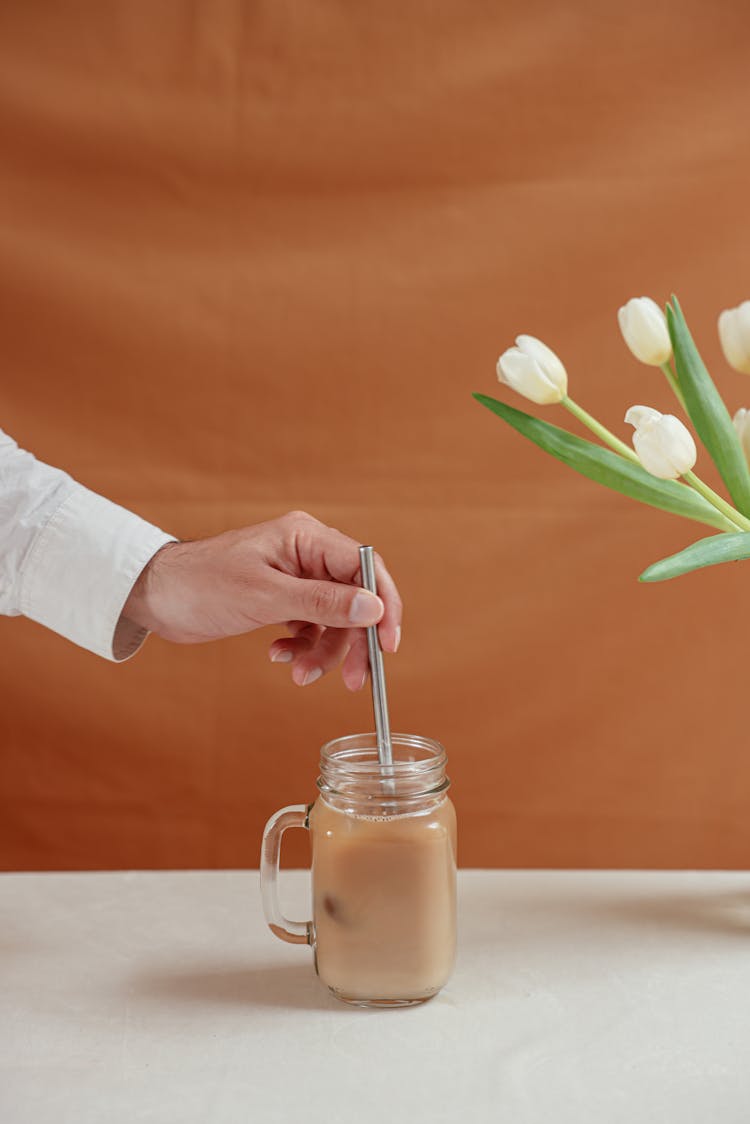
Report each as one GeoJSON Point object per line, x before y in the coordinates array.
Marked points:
{"type": "Point", "coordinates": [342, 752]}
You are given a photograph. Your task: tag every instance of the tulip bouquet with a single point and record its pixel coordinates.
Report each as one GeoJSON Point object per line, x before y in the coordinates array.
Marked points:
{"type": "Point", "coordinates": [659, 469]}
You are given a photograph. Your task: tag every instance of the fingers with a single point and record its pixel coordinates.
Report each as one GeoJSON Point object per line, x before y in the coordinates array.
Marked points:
{"type": "Point", "coordinates": [356, 665]}
{"type": "Point", "coordinates": [324, 552]}
{"type": "Point", "coordinates": [389, 629]}
{"type": "Point", "coordinates": [317, 584]}
{"type": "Point", "coordinates": [312, 649]}
{"type": "Point", "coordinates": [327, 603]}
{"type": "Point", "coordinates": [327, 654]}
{"type": "Point", "coordinates": [303, 637]}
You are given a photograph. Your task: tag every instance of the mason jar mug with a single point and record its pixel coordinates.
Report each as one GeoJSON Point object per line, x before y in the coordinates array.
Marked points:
{"type": "Point", "coordinates": [383, 930]}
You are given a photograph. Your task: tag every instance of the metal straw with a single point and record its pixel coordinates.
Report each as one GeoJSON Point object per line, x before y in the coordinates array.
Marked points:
{"type": "Point", "coordinates": [377, 674]}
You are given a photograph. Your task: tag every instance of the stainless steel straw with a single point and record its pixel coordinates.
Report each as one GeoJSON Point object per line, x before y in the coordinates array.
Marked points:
{"type": "Point", "coordinates": [377, 674]}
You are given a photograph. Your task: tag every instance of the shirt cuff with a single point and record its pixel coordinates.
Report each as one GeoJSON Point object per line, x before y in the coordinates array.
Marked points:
{"type": "Point", "coordinates": [81, 569]}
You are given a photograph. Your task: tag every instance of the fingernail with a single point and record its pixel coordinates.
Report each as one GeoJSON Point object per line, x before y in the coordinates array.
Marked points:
{"type": "Point", "coordinates": [364, 680]}
{"type": "Point", "coordinates": [313, 674]}
{"type": "Point", "coordinates": [281, 655]}
{"type": "Point", "coordinates": [366, 609]}
{"type": "Point", "coordinates": [398, 638]}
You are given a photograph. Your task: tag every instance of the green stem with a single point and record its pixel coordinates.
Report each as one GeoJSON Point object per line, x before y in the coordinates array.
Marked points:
{"type": "Point", "coordinates": [601, 431]}
{"type": "Point", "coordinates": [672, 380]}
{"type": "Point", "coordinates": [740, 522]}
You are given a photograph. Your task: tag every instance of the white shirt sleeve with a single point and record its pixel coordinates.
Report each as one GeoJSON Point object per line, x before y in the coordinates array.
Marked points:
{"type": "Point", "coordinates": [69, 557]}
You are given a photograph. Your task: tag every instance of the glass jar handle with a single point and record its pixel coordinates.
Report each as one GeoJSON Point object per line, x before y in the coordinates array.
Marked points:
{"type": "Point", "coordinates": [296, 932]}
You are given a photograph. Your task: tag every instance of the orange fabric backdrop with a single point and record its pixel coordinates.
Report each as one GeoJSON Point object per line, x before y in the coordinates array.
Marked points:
{"type": "Point", "coordinates": [256, 256]}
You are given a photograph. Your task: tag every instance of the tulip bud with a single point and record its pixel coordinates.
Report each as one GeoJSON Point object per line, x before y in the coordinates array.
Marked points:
{"type": "Point", "coordinates": [734, 335]}
{"type": "Point", "coordinates": [644, 329]}
{"type": "Point", "coordinates": [741, 422]}
{"type": "Point", "coordinates": [533, 370]}
{"type": "Point", "coordinates": [665, 446]}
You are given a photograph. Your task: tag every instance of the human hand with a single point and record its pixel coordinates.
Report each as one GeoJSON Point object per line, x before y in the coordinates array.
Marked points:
{"type": "Point", "coordinates": [294, 571]}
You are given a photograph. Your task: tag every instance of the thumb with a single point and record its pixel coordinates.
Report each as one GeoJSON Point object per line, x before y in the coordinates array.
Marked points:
{"type": "Point", "coordinates": [329, 603]}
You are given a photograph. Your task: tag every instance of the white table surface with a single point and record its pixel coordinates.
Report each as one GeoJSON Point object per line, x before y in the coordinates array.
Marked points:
{"type": "Point", "coordinates": [577, 997]}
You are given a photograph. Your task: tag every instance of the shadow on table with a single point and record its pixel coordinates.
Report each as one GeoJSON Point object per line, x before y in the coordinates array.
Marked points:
{"type": "Point", "coordinates": [552, 909]}
{"type": "Point", "coordinates": [291, 986]}
{"type": "Point", "coordinates": [722, 913]}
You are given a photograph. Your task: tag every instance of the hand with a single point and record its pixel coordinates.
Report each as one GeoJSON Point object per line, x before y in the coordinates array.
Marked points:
{"type": "Point", "coordinates": [294, 571]}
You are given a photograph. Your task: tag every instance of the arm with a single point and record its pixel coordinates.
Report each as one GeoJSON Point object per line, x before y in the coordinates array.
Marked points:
{"type": "Point", "coordinates": [69, 557]}
{"type": "Point", "coordinates": [104, 578]}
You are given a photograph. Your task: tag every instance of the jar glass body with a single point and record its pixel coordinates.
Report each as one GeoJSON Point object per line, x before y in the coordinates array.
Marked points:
{"type": "Point", "coordinates": [384, 872]}
{"type": "Point", "coordinates": [383, 839]}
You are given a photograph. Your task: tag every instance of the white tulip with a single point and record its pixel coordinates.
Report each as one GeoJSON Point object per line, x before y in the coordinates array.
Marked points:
{"type": "Point", "coordinates": [665, 447]}
{"type": "Point", "coordinates": [741, 422]}
{"type": "Point", "coordinates": [533, 370]}
{"type": "Point", "coordinates": [734, 334]}
{"type": "Point", "coordinates": [644, 329]}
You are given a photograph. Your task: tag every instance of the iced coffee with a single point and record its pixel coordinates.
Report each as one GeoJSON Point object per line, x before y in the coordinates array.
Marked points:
{"type": "Point", "coordinates": [384, 903]}
{"type": "Point", "coordinates": [383, 870]}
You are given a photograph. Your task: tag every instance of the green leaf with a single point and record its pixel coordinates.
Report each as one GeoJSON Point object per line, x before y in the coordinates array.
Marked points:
{"type": "Point", "coordinates": [606, 467]}
{"type": "Point", "coordinates": [707, 411]}
{"type": "Point", "coordinates": [705, 552]}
